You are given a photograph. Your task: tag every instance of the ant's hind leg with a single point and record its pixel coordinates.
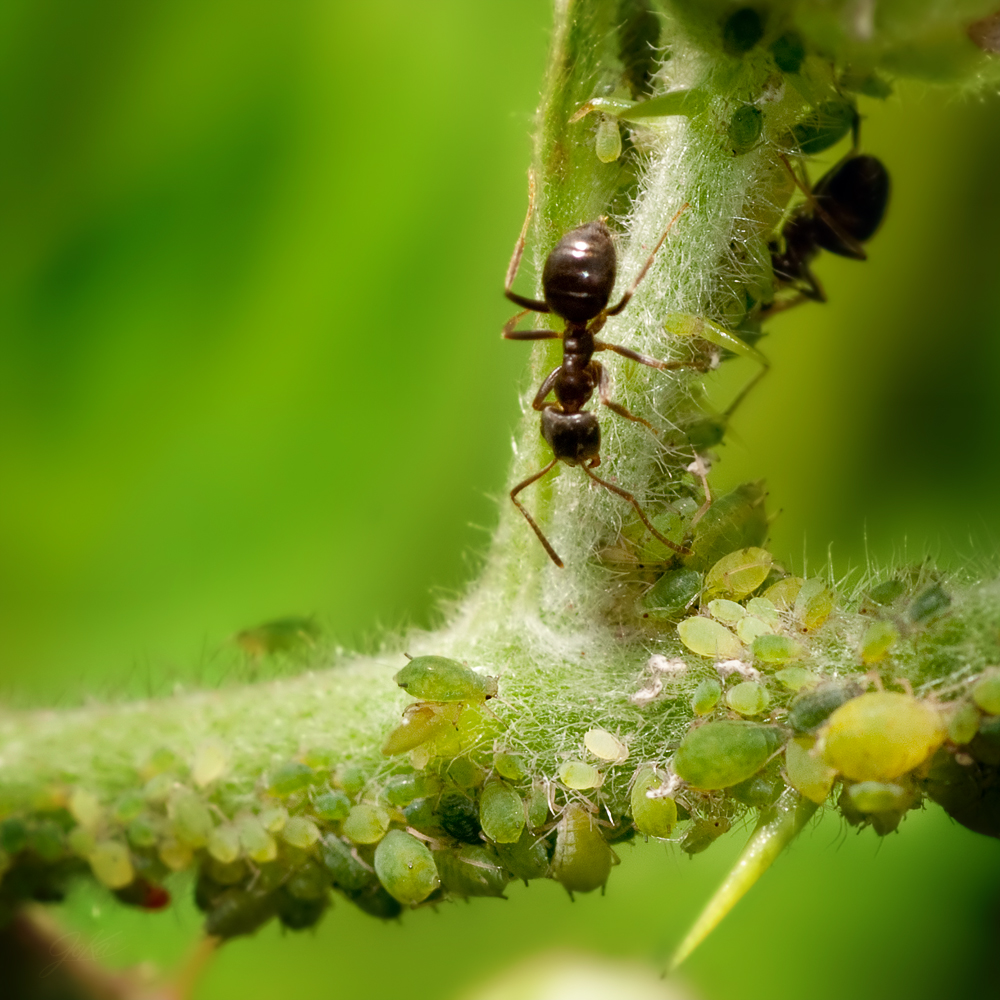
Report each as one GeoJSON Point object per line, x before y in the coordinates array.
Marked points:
{"type": "Point", "coordinates": [645, 359]}
{"type": "Point", "coordinates": [625, 495]}
{"type": "Point", "coordinates": [553, 555]}
{"type": "Point", "coordinates": [604, 391]}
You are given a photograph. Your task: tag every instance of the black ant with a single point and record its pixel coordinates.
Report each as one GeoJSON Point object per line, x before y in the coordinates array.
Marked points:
{"type": "Point", "coordinates": [841, 212]}
{"type": "Point", "coordinates": [577, 281]}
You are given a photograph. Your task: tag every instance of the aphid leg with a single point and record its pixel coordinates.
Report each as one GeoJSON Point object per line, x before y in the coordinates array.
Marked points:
{"type": "Point", "coordinates": [515, 259]}
{"type": "Point", "coordinates": [700, 469]}
{"type": "Point", "coordinates": [604, 390]}
{"type": "Point", "coordinates": [625, 495]}
{"type": "Point", "coordinates": [538, 403]}
{"type": "Point", "coordinates": [857, 250]}
{"type": "Point", "coordinates": [534, 527]}
{"type": "Point", "coordinates": [615, 310]}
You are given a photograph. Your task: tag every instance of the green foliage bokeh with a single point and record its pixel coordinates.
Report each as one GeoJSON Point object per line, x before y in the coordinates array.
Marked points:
{"type": "Point", "coordinates": [249, 313]}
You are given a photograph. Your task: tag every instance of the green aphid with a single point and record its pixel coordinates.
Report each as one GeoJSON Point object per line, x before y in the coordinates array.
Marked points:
{"type": "Point", "coordinates": [745, 128]}
{"type": "Point", "coordinates": [789, 51]}
{"type": "Point", "coordinates": [13, 835]}
{"type": "Point", "coordinates": [878, 640]}
{"type": "Point", "coordinates": [868, 83]}
{"type": "Point", "coordinates": [703, 833]}
{"type": "Point", "coordinates": [346, 869]}
{"type": "Point", "coordinates": [928, 604]}
{"type": "Point", "coordinates": [706, 696]}
{"type": "Point", "coordinates": [527, 859]}
{"type": "Point", "coordinates": [129, 806]}
{"type": "Point", "coordinates": [538, 807]}
{"type": "Point", "coordinates": [761, 791]}
{"type": "Point", "coordinates": [436, 678]}
{"type": "Point", "coordinates": [224, 843]}
{"type": "Point", "coordinates": [807, 772]}
{"type": "Point", "coordinates": [878, 796]}
{"type": "Point", "coordinates": [654, 817]}
{"type": "Point", "coordinates": [365, 824]}
{"type": "Point", "coordinates": [300, 832]}
{"type": "Point", "coordinates": [509, 766]}
{"type": "Point", "coordinates": [750, 628]}
{"type": "Point", "coordinates": [299, 914]}
{"type": "Point", "coordinates": [471, 871]}
{"type": "Point", "coordinates": [335, 806]}
{"type": "Point", "coordinates": [85, 808]}
{"type": "Point", "coordinates": [290, 778]}
{"type": "Point", "coordinates": [405, 867]}
{"type": "Point", "coordinates": [582, 859]}
{"type": "Point", "coordinates": [421, 815]}
{"type": "Point", "coordinates": [82, 841]}
{"type": "Point", "coordinates": [501, 813]}
{"type": "Point", "coordinates": [727, 612]}
{"type": "Point", "coordinates": [283, 635]}
{"type": "Point", "coordinates": [739, 573]}
{"type": "Point", "coordinates": [161, 761]}
{"type": "Point", "coordinates": [111, 863]}
{"type": "Point", "coordinates": [963, 723]}
{"type": "Point", "coordinates": [465, 773]}
{"type": "Point", "coordinates": [376, 902]}
{"type": "Point", "coordinates": [225, 873]}
{"type": "Point", "coordinates": [823, 127]}
{"type": "Point", "coordinates": [578, 775]}
{"type": "Point", "coordinates": [673, 593]}
{"type": "Point", "coordinates": [736, 520]}
{"type": "Point", "coordinates": [776, 649]}
{"type": "Point", "coordinates": [143, 831]}
{"type": "Point", "coordinates": [158, 788]}
{"type": "Point", "coordinates": [239, 911]}
{"type": "Point", "coordinates": [190, 819]}
{"type": "Point", "coordinates": [881, 735]}
{"type": "Point", "coordinates": [810, 710]}
{"type": "Point", "coordinates": [886, 593]}
{"type": "Point", "coordinates": [986, 692]}
{"type": "Point", "coordinates": [273, 818]}
{"type": "Point", "coordinates": [710, 638]}
{"type": "Point", "coordinates": [311, 881]}
{"type": "Point", "coordinates": [795, 678]}
{"type": "Point", "coordinates": [813, 604]}
{"type": "Point", "coordinates": [400, 790]}
{"type": "Point", "coordinates": [608, 139]}
{"type": "Point", "coordinates": [422, 722]}
{"type": "Point", "coordinates": [350, 778]}
{"type": "Point", "coordinates": [255, 841]}
{"type": "Point", "coordinates": [742, 30]}
{"type": "Point", "coordinates": [748, 698]}
{"type": "Point", "coordinates": [720, 754]}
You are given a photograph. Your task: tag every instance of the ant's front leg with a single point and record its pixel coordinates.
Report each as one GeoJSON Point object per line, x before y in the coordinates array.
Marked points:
{"type": "Point", "coordinates": [509, 333]}
{"type": "Point", "coordinates": [604, 391]}
{"type": "Point", "coordinates": [515, 259]}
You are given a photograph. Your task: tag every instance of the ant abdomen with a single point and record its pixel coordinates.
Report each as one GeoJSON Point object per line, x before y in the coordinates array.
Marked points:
{"type": "Point", "coordinates": [855, 198]}
{"type": "Point", "coordinates": [575, 438]}
{"type": "Point", "coordinates": [579, 273]}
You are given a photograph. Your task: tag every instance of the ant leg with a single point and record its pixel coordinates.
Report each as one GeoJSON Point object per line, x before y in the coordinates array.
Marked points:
{"type": "Point", "coordinates": [649, 263]}
{"type": "Point", "coordinates": [515, 259]}
{"type": "Point", "coordinates": [509, 333]}
{"type": "Point", "coordinates": [857, 250]}
{"type": "Point", "coordinates": [645, 359]}
{"type": "Point", "coordinates": [699, 469]}
{"type": "Point", "coordinates": [625, 495]}
{"type": "Point", "coordinates": [534, 527]}
{"type": "Point", "coordinates": [743, 393]}
{"type": "Point", "coordinates": [604, 390]}
{"type": "Point", "coordinates": [538, 403]}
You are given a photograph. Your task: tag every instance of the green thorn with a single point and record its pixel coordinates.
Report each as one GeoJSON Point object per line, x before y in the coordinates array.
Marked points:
{"type": "Point", "coordinates": [777, 828]}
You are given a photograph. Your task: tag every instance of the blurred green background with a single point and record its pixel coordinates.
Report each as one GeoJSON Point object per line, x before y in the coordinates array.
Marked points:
{"type": "Point", "coordinates": [252, 257]}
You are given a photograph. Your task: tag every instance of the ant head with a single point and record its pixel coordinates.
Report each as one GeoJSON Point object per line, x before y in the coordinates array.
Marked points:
{"type": "Point", "coordinates": [575, 438]}
{"type": "Point", "coordinates": [579, 273]}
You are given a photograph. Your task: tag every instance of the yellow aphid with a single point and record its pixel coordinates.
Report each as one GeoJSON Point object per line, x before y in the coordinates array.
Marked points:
{"type": "Point", "coordinates": [879, 638]}
{"type": "Point", "coordinates": [224, 844]}
{"type": "Point", "coordinates": [986, 692]}
{"type": "Point", "coordinates": [707, 637]}
{"type": "Point", "coordinates": [807, 773]}
{"type": "Point", "coordinates": [175, 855]}
{"type": "Point", "coordinates": [605, 746]}
{"type": "Point", "coordinates": [654, 817]}
{"type": "Point", "coordinates": [963, 723]}
{"type": "Point", "coordinates": [258, 844]}
{"type": "Point", "coordinates": [300, 832]}
{"type": "Point", "coordinates": [881, 735]}
{"type": "Point", "coordinates": [112, 864]}
{"type": "Point", "coordinates": [85, 808]}
{"type": "Point", "coordinates": [727, 612]}
{"type": "Point", "coordinates": [750, 628]}
{"type": "Point", "coordinates": [783, 593]}
{"type": "Point", "coordinates": [422, 721]}
{"type": "Point", "coordinates": [813, 604]}
{"type": "Point", "coordinates": [365, 824]}
{"type": "Point", "coordinates": [576, 774]}
{"type": "Point", "coordinates": [739, 573]}
{"type": "Point", "coordinates": [211, 761]}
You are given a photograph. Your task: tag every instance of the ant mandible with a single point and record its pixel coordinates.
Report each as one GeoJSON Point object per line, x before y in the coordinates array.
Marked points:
{"type": "Point", "coordinates": [577, 281]}
{"type": "Point", "coordinates": [841, 212]}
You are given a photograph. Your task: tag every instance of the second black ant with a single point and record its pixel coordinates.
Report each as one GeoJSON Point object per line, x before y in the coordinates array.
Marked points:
{"type": "Point", "coordinates": [577, 281]}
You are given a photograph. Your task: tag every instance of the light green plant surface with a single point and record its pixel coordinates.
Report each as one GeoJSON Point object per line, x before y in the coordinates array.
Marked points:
{"type": "Point", "coordinates": [573, 489]}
